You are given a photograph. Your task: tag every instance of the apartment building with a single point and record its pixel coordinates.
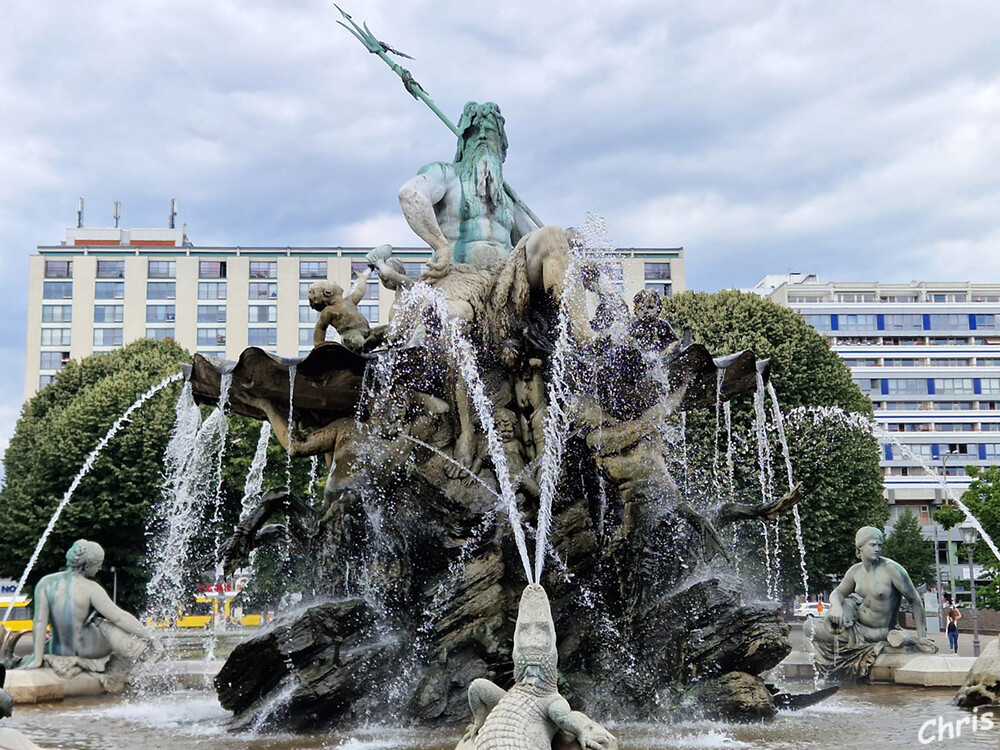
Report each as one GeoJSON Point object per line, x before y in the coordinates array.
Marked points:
{"type": "Point", "coordinates": [928, 356]}
{"type": "Point", "coordinates": [104, 287]}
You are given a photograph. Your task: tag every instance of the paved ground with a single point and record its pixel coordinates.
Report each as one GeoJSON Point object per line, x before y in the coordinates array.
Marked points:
{"type": "Point", "coordinates": [941, 639]}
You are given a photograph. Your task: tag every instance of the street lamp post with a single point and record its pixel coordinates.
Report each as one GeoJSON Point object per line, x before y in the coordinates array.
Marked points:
{"type": "Point", "coordinates": [114, 584]}
{"type": "Point", "coordinates": [970, 536]}
{"type": "Point", "coordinates": [947, 543]}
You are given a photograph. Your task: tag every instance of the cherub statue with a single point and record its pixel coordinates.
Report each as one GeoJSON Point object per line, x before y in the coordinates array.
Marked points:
{"type": "Point", "coordinates": [391, 272]}
{"type": "Point", "coordinates": [648, 329]}
{"type": "Point", "coordinates": [514, 450]}
{"type": "Point", "coordinates": [340, 311]}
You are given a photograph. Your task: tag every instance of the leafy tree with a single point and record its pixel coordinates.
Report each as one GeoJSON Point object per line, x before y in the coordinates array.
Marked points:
{"type": "Point", "coordinates": [948, 516]}
{"type": "Point", "coordinates": [983, 500]}
{"type": "Point", "coordinates": [832, 448]}
{"type": "Point", "coordinates": [907, 546]}
{"type": "Point", "coordinates": [112, 505]}
{"type": "Point", "coordinates": [57, 429]}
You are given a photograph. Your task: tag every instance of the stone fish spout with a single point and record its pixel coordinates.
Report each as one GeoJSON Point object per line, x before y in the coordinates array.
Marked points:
{"type": "Point", "coordinates": [532, 715]}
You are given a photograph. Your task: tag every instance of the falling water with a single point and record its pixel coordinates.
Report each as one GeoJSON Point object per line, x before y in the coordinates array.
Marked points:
{"type": "Point", "coordinates": [684, 449]}
{"type": "Point", "coordinates": [780, 425]}
{"type": "Point", "coordinates": [84, 470]}
{"type": "Point", "coordinates": [313, 477]}
{"type": "Point", "coordinates": [255, 477]}
{"type": "Point", "coordinates": [292, 367]}
{"type": "Point", "coordinates": [223, 429]}
{"type": "Point", "coordinates": [465, 358]}
{"type": "Point", "coordinates": [766, 490]}
{"type": "Point", "coordinates": [719, 377]}
{"type": "Point", "coordinates": [188, 487]}
{"type": "Point", "coordinates": [558, 416]}
{"type": "Point", "coordinates": [727, 412]}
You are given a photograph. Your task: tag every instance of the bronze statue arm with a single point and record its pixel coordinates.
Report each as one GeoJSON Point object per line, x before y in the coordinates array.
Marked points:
{"type": "Point", "coordinates": [901, 579]}
{"type": "Point", "coordinates": [117, 616]}
{"type": "Point", "coordinates": [732, 512]}
{"type": "Point", "coordinates": [322, 323]}
{"type": "Point", "coordinates": [38, 625]}
{"type": "Point", "coordinates": [837, 597]}
{"type": "Point", "coordinates": [385, 273]}
{"type": "Point", "coordinates": [418, 198]}
{"type": "Point", "coordinates": [360, 287]}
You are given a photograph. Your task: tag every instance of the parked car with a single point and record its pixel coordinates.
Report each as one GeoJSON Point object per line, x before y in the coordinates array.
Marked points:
{"type": "Point", "coordinates": [809, 609]}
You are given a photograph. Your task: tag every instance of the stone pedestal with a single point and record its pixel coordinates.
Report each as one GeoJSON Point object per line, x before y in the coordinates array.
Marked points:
{"type": "Point", "coordinates": [36, 686]}
{"type": "Point", "coordinates": [932, 670]}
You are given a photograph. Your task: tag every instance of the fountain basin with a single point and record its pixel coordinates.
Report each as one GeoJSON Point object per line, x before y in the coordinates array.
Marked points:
{"type": "Point", "coordinates": [887, 716]}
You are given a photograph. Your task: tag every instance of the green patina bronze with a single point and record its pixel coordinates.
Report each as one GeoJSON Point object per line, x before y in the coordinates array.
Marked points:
{"type": "Point", "coordinates": [377, 47]}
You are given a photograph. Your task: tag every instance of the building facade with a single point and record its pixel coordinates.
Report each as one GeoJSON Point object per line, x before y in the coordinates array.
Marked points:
{"type": "Point", "coordinates": [928, 356]}
{"type": "Point", "coordinates": [102, 288]}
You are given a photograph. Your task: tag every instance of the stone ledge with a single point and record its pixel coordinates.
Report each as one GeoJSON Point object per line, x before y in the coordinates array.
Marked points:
{"type": "Point", "coordinates": [44, 686]}
{"type": "Point", "coordinates": [935, 670]}
{"type": "Point", "coordinates": [927, 670]}
{"type": "Point", "coordinates": [35, 685]}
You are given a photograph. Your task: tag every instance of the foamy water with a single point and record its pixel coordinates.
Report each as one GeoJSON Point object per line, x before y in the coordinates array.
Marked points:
{"type": "Point", "coordinates": [888, 717]}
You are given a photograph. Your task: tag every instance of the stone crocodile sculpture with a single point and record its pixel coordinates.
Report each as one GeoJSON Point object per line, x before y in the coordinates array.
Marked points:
{"type": "Point", "coordinates": [532, 713]}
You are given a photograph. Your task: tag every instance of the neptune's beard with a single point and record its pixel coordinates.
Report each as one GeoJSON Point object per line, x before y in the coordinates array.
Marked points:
{"type": "Point", "coordinates": [481, 174]}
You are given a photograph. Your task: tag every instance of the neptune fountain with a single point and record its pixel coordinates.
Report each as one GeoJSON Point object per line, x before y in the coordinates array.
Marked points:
{"type": "Point", "coordinates": [495, 412]}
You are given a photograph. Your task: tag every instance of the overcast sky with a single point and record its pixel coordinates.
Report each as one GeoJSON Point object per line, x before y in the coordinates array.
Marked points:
{"type": "Point", "coordinates": [857, 140]}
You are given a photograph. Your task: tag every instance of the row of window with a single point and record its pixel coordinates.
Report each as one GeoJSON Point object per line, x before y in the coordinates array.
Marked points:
{"type": "Point", "coordinates": [799, 299]}
{"type": "Point", "coordinates": [922, 361]}
{"type": "Point", "coordinates": [992, 340]}
{"type": "Point", "coordinates": [930, 386]}
{"type": "Point", "coordinates": [167, 314]}
{"type": "Point", "coordinates": [943, 426]}
{"type": "Point", "coordinates": [167, 269]}
{"type": "Point", "coordinates": [937, 405]}
{"type": "Point", "coordinates": [968, 451]}
{"type": "Point", "coordinates": [104, 290]}
{"type": "Point", "coordinates": [907, 322]}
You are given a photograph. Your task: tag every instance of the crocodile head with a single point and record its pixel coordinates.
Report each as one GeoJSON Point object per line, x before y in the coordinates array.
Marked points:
{"type": "Point", "coordinates": [535, 655]}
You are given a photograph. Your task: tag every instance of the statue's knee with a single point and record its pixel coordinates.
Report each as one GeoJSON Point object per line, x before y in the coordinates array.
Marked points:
{"type": "Point", "coordinates": [548, 240]}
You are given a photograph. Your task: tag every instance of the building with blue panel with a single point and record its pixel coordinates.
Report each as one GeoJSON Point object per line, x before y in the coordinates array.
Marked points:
{"type": "Point", "coordinates": [928, 356]}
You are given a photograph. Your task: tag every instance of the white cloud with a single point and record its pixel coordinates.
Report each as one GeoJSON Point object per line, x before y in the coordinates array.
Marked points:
{"type": "Point", "coordinates": [852, 139]}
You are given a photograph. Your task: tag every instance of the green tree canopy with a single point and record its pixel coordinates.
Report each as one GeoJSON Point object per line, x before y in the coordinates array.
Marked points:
{"type": "Point", "coordinates": [832, 448]}
{"type": "Point", "coordinates": [983, 500]}
{"type": "Point", "coordinates": [112, 505]}
{"type": "Point", "coordinates": [907, 546]}
{"type": "Point", "coordinates": [57, 429]}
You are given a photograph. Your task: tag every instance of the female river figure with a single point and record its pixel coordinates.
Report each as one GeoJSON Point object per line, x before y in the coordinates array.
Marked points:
{"type": "Point", "coordinates": [85, 622]}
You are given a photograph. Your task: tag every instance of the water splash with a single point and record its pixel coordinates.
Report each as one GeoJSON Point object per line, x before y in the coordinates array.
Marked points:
{"type": "Point", "coordinates": [292, 368]}
{"type": "Point", "coordinates": [255, 476]}
{"type": "Point", "coordinates": [560, 407]}
{"type": "Point", "coordinates": [84, 470]}
{"type": "Point", "coordinates": [779, 423]}
{"type": "Point", "coordinates": [465, 358]}
{"type": "Point", "coordinates": [191, 484]}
